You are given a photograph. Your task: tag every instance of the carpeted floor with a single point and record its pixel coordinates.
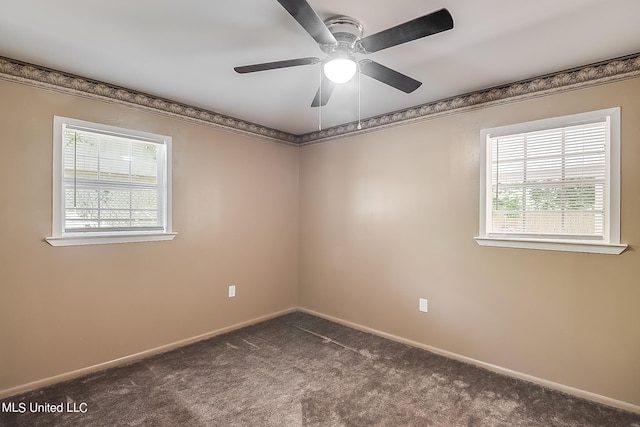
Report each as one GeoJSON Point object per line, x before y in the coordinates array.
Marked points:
{"type": "Point", "coordinates": [299, 370]}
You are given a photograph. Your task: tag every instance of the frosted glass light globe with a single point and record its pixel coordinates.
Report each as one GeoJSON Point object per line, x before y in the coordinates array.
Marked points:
{"type": "Point", "coordinates": [340, 70]}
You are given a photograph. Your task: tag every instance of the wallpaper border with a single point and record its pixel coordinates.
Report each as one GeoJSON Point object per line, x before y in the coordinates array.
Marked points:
{"type": "Point", "coordinates": [617, 69]}
{"type": "Point", "coordinates": [34, 75]}
{"type": "Point", "coordinates": [581, 77]}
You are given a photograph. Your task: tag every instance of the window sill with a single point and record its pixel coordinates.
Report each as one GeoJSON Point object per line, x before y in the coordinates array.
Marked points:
{"type": "Point", "coordinates": [552, 245]}
{"type": "Point", "coordinates": [108, 239]}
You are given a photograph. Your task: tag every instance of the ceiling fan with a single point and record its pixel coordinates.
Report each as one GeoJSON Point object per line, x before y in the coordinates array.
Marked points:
{"type": "Point", "coordinates": [341, 38]}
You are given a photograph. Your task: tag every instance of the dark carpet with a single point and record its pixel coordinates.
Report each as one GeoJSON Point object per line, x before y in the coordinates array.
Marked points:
{"type": "Point", "coordinates": [299, 370]}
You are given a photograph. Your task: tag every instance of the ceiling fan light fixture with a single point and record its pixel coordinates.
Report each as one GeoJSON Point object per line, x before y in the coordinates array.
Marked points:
{"type": "Point", "coordinates": [340, 38]}
{"type": "Point", "coordinates": [340, 70]}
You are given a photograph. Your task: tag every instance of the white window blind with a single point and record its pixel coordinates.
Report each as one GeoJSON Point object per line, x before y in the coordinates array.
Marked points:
{"type": "Point", "coordinates": [111, 182]}
{"type": "Point", "coordinates": [550, 182]}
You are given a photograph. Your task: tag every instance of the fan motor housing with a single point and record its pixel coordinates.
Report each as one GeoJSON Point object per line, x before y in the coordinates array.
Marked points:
{"type": "Point", "coordinates": [347, 31]}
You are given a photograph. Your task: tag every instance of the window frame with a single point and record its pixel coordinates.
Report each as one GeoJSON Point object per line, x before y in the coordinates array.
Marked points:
{"type": "Point", "coordinates": [60, 237]}
{"type": "Point", "coordinates": [610, 244]}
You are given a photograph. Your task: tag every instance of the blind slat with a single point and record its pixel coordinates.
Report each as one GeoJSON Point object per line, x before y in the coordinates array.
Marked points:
{"type": "Point", "coordinates": [111, 181]}
{"type": "Point", "coordinates": [550, 182]}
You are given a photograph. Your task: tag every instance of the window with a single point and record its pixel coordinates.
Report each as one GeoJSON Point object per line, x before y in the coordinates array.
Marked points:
{"type": "Point", "coordinates": [553, 184]}
{"type": "Point", "coordinates": [110, 185]}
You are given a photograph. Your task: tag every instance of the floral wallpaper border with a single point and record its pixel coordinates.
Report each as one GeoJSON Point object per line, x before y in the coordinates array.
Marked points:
{"type": "Point", "coordinates": [595, 74]}
{"type": "Point", "coordinates": [591, 75]}
{"type": "Point", "coordinates": [35, 75]}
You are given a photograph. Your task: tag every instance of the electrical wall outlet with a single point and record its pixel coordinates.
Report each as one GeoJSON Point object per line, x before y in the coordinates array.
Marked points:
{"type": "Point", "coordinates": [232, 291]}
{"type": "Point", "coordinates": [423, 305]}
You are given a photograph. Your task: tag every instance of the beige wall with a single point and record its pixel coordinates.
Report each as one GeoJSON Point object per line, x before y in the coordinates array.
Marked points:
{"type": "Point", "coordinates": [382, 219]}
{"type": "Point", "coordinates": [388, 217]}
{"type": "Point", "coordinates": [61, 309]}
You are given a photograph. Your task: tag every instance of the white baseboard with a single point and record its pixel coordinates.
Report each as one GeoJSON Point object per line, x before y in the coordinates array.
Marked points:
{"type": "Point", "coordinates": [133, 357]}
{"type": "Point", "coordinates": [494, 368]}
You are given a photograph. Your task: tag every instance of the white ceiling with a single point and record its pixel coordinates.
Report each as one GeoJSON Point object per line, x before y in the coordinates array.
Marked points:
{"type": "Point", "coordinates": [186, 50]}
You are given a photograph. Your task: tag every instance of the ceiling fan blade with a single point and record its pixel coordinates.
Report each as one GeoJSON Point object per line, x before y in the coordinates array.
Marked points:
{"type": "Point", "coordinates": [309, 20]}
{"type": "Point", "coordinates": [326, 89]}
{"type": "Point", "coordinates": [275, 65]}
{"type": "Point", "coordinates": [388, 76]}
{"type": "Point", "coordinates": [426, 25]}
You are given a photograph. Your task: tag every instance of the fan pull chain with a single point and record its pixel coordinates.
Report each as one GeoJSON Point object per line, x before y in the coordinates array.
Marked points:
{"type": "Point", "coordinates": [320, 102]}
{"type": "Point", "coordinates": [359, 103]}
{"type": "Point", "coordinates": [75, 169]}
